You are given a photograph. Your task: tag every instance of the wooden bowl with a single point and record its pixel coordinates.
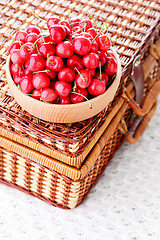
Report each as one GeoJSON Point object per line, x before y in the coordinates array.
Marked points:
{"type": "Point", "coordinates": [63, 113]}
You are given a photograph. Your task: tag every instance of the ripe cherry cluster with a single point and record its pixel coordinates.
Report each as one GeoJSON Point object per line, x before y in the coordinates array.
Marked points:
{"type": "Point", "coordinates": [69, 63]}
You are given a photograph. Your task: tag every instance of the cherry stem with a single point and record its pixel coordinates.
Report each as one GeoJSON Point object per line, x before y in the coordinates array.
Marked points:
{"type": "Point", "coordinates": [20, 42]}
{"type": "Point", "coordinates": [40, 71]}
{"type": "Point", "coordinates": [80, 74]}
{"type": "Point", "coordinates": [107, 32]}
{"type": "Point", "coordinates": [110, 55]}
{"type": "Point", "coordinates": [68, 40]}
{"type": "Point", "coordinates": [39, 39]}
{"type": "Point", "coordinates": [90, 105]}
{"type": "Point", "coordinates": [93, 20]}
{"type": "Point", "coordinates": [70, 20]}
{"type": "Point", "coordinates": [100, 70]}
{"type": "Point", "coordinates": [53, 63]}
{"type": "Point", "coordinates": [98, 33]}
{"type": "Point", "coordinates": [19, 69]}
{"type": "Point", "coordinates": [36, 15]}
{"type": "Point", "coordinates": [85, 24]}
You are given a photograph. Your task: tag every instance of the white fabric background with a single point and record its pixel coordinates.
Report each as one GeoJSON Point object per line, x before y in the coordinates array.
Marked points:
{"type": "Point", "coordinates": [124, 204]}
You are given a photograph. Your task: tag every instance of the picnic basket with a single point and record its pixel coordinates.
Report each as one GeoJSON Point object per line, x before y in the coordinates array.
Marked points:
{"type": "Point", "coordinates": [57, 162]}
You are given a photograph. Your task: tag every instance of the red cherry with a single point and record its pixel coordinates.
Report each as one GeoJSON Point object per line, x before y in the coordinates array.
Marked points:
{"type": "Point", "coordinates": [102, 57]}
{"type": "Point", "coordinates": [96, 87]}
{"type": "Point", "coordinates": [83, 79]}
{"type": "Point", "coordinates": [87, 35]}
{"type": "Point", "coordinates": [17, 79]}
{"type": "Point", "coordinates": [81, 45]}
{"type": "Point", "coordinates": [31, 37]}
{"type": "Point", "coordinates": [77, 97]}
{"type": "Point", "coordinates": [54, 63]}
{"type": "Point", "coordinates": [92, 32]}
{"type": "Point", "coordinates": [66, 75]}
{"type": "Point", "coordinates": [21, 35]}
{"type": "Point", "coordinates": [26, 84]}
{"type": "Point", "coordinates": [47, 49]}
{"type": "Point", "coordinates": [27, 50]}
{"type": "Point", "coordinates": [92, 72]}
{"type": "Point", "coordinates": [86, 24]}
{"type": "Point", "coordinates": [75, 62]}
{"type": "Point", "coordinates": [104, 43]}
{"type": "Point", "coordinates": [27, 72]}
{"type": "Point", "coordinates": [16, 69]}
{"type": "Point", "coordinates": [66, 23]}
{"type": "Point", "coordinates": [94, 47]}
{"type": "Point", "coordinates": [103, 77]}
{"type": "Point", "coordinates": [63, 89]}
{"type": "Point", "coordinates": [51, 21]}
{"type": "Point", "coordinates": [33, 29]}
{"type": "Point", "coordinates": [57, 33]}
{"type": "Point", "coordinates": [43, 38]}
{"type": "Point", "coordinates": [110, 53]}
{"type": "Point", "coordinates": [91, 60]}
{"type": "Point", "coordinates": [51, 74]}
{"type": "Point", "coordinates": [16, 57]}
{"type": "Point", "coordinates": [40, 80]}
{"type": "Point", "coordinates": [65, 100]}
{"type": "Point", "coordinates": [111, 66]}
{"type": "Point", "coordinates": [48, 95]}
{"type": "Point", "coordinates": [35, 63]}
{"type": "Point", "coordinates": [64, 49]}
{"type": "Point", "coordinates": [52, 84]}
{"type": "Point", "coordinates": [15, 45]}
{"type": "Point", "coordinates": [75, 22]}
{"type": "Point", "coordinates": [36, 93]}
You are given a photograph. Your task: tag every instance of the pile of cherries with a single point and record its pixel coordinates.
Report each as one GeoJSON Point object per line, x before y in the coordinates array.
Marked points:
{"type": "Point", "coordinates": [69, 63]}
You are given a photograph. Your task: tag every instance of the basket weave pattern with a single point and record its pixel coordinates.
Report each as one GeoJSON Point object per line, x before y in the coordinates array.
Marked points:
{"type": "Point", "coordinates": [133, 25]}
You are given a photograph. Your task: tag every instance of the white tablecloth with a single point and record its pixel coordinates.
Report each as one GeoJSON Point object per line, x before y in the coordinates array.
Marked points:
{"type": "Point", "coordinates": [124, 204]}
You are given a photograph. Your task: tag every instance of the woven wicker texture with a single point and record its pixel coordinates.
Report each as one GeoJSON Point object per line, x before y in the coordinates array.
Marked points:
{"type": "Point", "coordinates": [130, 25]}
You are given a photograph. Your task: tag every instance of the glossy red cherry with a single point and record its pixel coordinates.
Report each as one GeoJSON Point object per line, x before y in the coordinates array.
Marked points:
{"type": "Point", "coordinates": [111, 66]}
{"type": "Point", "coordinates": [110, 53]}
{"type": "Point", "coordinates": [21, 35]}
{"type": "Point", "coordinates": [51, 21]}
{"type": "Point", "coordinates": [96, 87]}
{"type": "Point", "coordinates": [77, 95]}
{"type": "Point", "coordinates": [91, 60]}
{"type": "Point", "coordinates": [104, 43]}
{"type": "Point", "coordinates": [47, 49]}
{"type": "Point", "coordinates": [92, 72]}
{"type": "Point", "coordinates": [15, 45]}
{"type": "Point", "coordinates": [54, 63]}
{"type": "Point", "coordinates": [63, 89]}
{"type": "Point", "coordinates": [36, 93]}
{"type": "Point", "coordinates": [16, 69]}
{"type": "Point", "coordinates": [103, 77]}
{"type": "Point", "coordinates": [31, 37]}
{"type": "Point", "coordinates": [64, 49]}
{"type": "Point", "coordinates": [92, 32]}
{"type": "Point", "coordinates": [57, 33]}
{"type": "Point", "coordinates": [17, 79]}
{"type": "Point", "coordinates": [94, 47]}
{"type": "Point", "coordinates": [33, 29]}
{"type": "Point", "coordinates": [65, 100]}
{"type": "Point", "coordinates": [27, 72]}
{"type": "Point", "coordinates": [26, 84]}
{"type": "Point", "coordinates": [27, 50]}
{"type": "Point", "coordinates": [43, 38]}
{"type": "Point", "coordinates": [48, 95]}
{"type": "Point", "coordinates": [51, 74]}
{"type": "Point", "coordinates": [40, 80]}
{"type": "Point", "coordinates": [75, 22]}
{"type": "Point", "coordinates": [86, 24]}
{"type": "Point", "coordinates": [81, 45]}
{"type": "Point", "coordinates": [83, 79]}
{"type": "Point", "coordinates": [66, 75]}
{"type": "Point", "coordinates": [75, 62]}
{"type": "Point", "coordinates": [102, 57]}
{"type": "Point", "coordinates": [16, 57]}
{"type": "Point", "coordinates": [35, 63]}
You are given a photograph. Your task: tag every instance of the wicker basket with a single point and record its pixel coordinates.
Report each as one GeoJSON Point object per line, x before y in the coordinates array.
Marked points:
{"type": "Point", "coordinates": [59, 163]}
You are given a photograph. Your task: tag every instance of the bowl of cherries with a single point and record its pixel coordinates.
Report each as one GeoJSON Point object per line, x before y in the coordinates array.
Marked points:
{"type": "Point", "coordinates": [68, 73]}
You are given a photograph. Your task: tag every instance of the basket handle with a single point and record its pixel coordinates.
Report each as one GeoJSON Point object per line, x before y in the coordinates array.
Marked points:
{"type": "Point", "coordinates": [148, 102]}
{"type": "Point", "coordinates": [140, 128]}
